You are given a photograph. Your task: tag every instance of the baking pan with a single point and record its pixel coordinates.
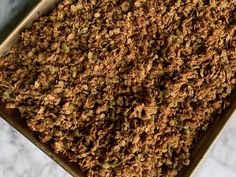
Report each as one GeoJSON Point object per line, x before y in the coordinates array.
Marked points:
{"type": "Point", "coordinates": [13, 117]}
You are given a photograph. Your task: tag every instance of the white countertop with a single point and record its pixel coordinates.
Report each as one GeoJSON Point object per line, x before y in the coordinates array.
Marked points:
{"type": "Point", "coordinates": [20, 158]}
{"type": "Point", "coordinates": [9, 9]}
{"type": "Point", "coordinates": [221, 159]}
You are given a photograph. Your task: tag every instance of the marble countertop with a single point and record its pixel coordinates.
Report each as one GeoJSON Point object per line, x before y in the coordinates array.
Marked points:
{"type": "Point", "coordinates": [220, 161]}
{"type": "Point", "coordinates": [9, 9]}
{"type": "Point", "coordinates": [20, 158]}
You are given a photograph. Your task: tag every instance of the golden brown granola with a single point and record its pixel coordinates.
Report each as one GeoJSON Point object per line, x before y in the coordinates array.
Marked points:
{"type": "Point", "coordinates": [123, 87]}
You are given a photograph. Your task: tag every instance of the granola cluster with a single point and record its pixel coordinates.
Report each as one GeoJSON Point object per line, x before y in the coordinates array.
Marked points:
{"type": "Point", "coordinates": [123, 87]}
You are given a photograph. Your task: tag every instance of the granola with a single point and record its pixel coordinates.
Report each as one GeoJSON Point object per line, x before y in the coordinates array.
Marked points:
{"type": "Point", "coordinates": [123, 87]}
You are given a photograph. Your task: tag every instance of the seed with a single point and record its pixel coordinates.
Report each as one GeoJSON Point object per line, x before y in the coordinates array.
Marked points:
{"type": "Point", "coordinates": [7, 95]}
{"type": "Point", "coordinates": [65, 48]}
{"type": "Point", "coordinates": [178, 3]}
{"type": "Point", "coordinates": [74, 72]}
{"type": "Point", "coordinates": [187, 45]}
{"type": "Point", "coordinates": [152, 118]}
{"type": "Point", "coordinates": [166, 92]}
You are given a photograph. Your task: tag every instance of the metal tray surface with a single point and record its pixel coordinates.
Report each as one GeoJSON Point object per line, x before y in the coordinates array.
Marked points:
{"type": "Point", "coordinates": [42, 7]}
